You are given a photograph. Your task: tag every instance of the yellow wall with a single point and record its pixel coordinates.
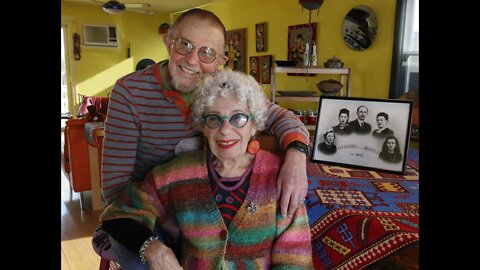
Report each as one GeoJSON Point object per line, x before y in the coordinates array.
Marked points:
{"type": "Point", "coordinates": [99, 68]}
{"type": "Point", "coordinates": [370, 69]}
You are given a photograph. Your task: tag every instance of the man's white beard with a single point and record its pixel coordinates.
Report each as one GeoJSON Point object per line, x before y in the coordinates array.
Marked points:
{"type": "Point", "coordinates": [181, 86]}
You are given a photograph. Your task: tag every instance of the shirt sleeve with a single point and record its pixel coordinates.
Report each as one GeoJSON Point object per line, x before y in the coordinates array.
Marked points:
{"type": "Point", "coordinates": [286, 126]}
{"type": "Point", "coordinates": [127, 232]}
{"type": "Point", "coordinates": [131, 218]}
{"type": "Point", "coordinates": [120, 142]}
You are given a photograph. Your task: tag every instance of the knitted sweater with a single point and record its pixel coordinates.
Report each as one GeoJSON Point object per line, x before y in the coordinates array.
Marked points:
{"type": "Point", "coordinates": [146, 119]}
{"type": "Point", "coordinates": [178, 196]}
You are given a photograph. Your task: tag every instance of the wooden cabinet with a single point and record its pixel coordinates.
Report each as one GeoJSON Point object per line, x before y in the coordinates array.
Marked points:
{"type": "Point", "coordinates": [344, 74]}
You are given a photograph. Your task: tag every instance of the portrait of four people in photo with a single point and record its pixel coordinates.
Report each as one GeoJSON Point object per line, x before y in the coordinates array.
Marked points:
{"type": "Point", "coordinates": [390, 149]}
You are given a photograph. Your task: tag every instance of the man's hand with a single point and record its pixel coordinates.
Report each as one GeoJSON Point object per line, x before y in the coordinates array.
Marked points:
{"type": "Point", "coordinates": [292, 183]}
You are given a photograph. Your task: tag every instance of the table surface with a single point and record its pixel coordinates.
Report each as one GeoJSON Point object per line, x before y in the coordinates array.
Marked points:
{"type": "Point", "coordinates": [357, 217]}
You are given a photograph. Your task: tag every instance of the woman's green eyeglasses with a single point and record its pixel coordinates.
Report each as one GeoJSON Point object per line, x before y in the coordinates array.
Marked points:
{"type": "Point", "coordinates": [237, 120]}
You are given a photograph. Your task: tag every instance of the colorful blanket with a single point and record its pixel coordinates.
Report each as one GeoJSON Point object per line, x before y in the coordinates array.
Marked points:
{"type": "Point", "coordinates": [358, 217]}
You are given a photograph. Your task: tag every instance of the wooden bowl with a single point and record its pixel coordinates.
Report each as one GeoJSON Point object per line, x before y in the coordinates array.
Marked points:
{"type": "Point", "coordinates": [329, 86]}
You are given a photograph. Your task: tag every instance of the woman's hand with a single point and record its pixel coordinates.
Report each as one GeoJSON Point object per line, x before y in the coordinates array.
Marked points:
{"type": "Point", "coordinates": [292, 183]}
{"type": "Point", "coordinates": [161, 257]}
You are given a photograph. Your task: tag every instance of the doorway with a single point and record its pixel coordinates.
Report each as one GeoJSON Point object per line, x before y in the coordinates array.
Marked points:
{"type": "Point", "coordinates": [66, 104]}
{"type": "Point", "coordinates": [405, 62]}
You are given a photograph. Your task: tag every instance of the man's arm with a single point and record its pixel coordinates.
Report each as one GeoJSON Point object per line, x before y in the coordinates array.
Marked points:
{"type": "Point", "coordinates": [286, 126]}
{"type": "Point", "coordinates": [120, 143]}
{"type": "Point", "coordinates": [292, 181]}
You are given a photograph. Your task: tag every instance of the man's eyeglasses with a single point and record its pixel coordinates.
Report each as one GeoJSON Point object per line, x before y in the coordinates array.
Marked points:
{"type": "Point", "coordinates": [237, 120]}
{"type": "Point", "coordinates": [185, 47]}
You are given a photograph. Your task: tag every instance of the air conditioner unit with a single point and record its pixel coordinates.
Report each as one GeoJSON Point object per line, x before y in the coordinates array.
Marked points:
{"type": "Point", "coordinates": [100, 35]}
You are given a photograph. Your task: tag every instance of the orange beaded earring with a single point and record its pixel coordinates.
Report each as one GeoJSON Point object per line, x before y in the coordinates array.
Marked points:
{"type": "Point", "coordinates": [253, 146]}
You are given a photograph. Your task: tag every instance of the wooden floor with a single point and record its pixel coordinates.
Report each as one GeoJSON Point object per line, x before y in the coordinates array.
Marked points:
{"type": "Point", "coordinates": [77, 227]}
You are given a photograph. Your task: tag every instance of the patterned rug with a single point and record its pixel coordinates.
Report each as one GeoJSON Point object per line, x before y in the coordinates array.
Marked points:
{"type": "Point", "coordinates": [358, 217]}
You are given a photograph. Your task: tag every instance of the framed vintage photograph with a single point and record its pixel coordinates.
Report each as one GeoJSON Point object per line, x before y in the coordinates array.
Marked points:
{"type": "Point", "coordinates": [265, 69]}
{"type": "Point", "coordinates": [235, 50]}
{"type": "Point", "coordinates": [261, 37]}
{"type": "Point", "coordinates": [254, 67]}
{"type": "Point", "coordinates": [364, 133]}
{"type": "Point", "coordinates": [298, 36]}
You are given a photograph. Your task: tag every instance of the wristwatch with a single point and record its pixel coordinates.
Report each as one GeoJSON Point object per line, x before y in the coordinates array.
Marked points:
{"type": "Point", "coordinates": [298, 146]}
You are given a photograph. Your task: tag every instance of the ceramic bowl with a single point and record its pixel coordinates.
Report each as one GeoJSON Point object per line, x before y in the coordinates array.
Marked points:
{"type": "Point", "coordinates": [333, 63]}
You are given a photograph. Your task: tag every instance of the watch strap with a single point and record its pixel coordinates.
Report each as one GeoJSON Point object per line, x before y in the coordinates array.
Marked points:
{"type": "Point", "coordinates": [298, 146]}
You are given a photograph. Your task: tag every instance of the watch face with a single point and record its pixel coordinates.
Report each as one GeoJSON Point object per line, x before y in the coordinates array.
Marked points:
{"type": "Point", "coordinates": [300, 145]}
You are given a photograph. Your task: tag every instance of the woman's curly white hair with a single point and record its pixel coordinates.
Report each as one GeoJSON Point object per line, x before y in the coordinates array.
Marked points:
{"type": "Point", "coordinates": [225, 83]}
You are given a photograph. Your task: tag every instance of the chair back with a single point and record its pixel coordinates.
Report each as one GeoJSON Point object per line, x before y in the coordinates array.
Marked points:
{"type": "Point", "coordinates": [77, 152]}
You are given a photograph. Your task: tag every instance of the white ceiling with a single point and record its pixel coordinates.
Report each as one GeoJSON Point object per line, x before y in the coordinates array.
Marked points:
{"type": "Point", "coordinates": [157, 6]}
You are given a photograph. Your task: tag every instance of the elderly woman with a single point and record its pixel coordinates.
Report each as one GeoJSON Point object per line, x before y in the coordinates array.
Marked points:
{"type": "Point", "coordinates": [218, 204]}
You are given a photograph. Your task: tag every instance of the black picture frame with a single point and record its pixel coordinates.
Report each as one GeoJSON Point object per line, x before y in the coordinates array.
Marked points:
{"type": "Point", "coordinates": [359, 147]}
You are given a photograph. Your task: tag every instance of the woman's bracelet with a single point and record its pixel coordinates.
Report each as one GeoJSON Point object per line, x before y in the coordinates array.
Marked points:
{"type": "Point", "coordinates": [144, 247]}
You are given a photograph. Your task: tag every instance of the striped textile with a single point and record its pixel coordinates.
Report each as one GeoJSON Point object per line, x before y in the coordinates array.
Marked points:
{"type": "Point", "coordinates": [179, 191]}
{"type": "Point", "coordinates": [144, 123]}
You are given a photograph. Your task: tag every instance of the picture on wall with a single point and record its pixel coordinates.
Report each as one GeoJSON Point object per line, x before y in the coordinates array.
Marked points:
{"type": "Point", "coordinates": [265, 68]}
{"type": "Point", "coordinates": [298, 36]}
{"type": "Point", "coordinates": [235, 50]}
{"type": "Point", "coordinates": [261, 37]}
{"type": "Point", "coordinates": [254, 67]}
{"type": "Point", "coordinates": [361, 132]}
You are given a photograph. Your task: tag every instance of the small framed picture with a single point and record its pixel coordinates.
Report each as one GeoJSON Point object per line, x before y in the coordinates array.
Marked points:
{"type": "Point", "coordinates": [361, 132]}
{"type": "Point", "coordinates": [236, 50]}
{"type": "Point", "coordinates": [265, 68]}
{"type": "Point", "coordinates": [299, 36]}
{"type": "Point", "coordinates": [261, 37]}
{"type": "Point", "coordinates": [254, 67]}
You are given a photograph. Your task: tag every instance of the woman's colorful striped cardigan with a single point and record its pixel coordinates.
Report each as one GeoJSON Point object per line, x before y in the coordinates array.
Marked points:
{"type": "Point", "coordinates": [178, 196]}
